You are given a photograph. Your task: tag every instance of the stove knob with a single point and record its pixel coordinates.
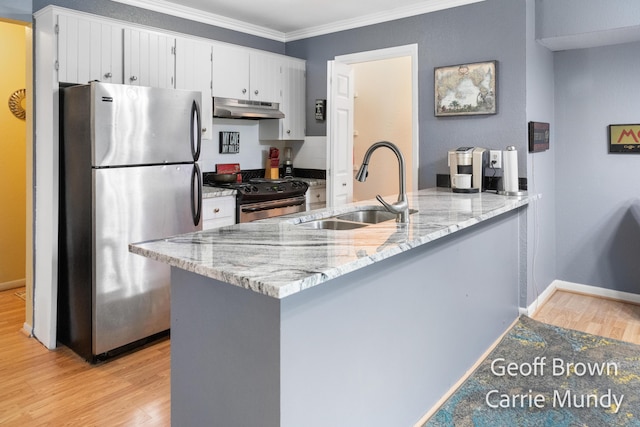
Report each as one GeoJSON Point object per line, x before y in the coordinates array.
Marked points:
{"type": "Point", "coordinates": [254, 188]}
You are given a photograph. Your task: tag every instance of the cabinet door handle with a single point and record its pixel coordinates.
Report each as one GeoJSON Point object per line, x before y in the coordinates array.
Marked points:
{"type": "Point", "coordinates": [244, 91]}
{"type": "Point", "coordinates": [216, 210]}
{"type": "Point", "coordinates": [256, 92]}
{"type": "Point", "coordinates": [133, 78]}
{"type": "Point", "coordinates": [108, 75]}
{"type": "Point", "coordinates": [344, 184]}
{"type": "Point", "coordinates": [288, 131]}
{"type": "Point", "coordinates": [204, 130]}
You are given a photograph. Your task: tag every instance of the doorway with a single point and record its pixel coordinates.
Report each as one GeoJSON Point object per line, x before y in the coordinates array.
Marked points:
{"type": "Point", "coordinates": [385, 87]}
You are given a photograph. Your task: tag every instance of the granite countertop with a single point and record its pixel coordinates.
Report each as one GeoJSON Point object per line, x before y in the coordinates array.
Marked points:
{"type": "Point", "coordinates": [210, 192]}
{"type": "Point", "coordinates": [277, 257]}
{"type": "Point", "coordinates": [313, 182]}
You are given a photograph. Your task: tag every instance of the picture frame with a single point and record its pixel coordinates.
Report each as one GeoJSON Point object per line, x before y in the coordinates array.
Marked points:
{"type": "Point", "coordinates": [538, 136]}
{"type": "Point", "coordinates": [624, 138]}
{"type": "Point", "coordinates": [466, 89]}
{"type": "Point", "coordinates": [229, 142]}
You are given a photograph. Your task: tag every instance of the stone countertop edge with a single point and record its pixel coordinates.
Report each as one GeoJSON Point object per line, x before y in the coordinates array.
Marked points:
{"type": "Point", "coordinates": [277, 257]}
{"type": "Point", "coordinates": [211, 192]}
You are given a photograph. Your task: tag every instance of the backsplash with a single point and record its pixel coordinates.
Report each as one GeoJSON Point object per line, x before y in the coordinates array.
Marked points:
{"type": "Point", "coordinates": [309, 156]}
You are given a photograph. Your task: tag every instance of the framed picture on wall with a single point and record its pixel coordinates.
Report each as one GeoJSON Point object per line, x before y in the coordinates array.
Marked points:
{"type": "Point", "coordinates": [624, 138]}
{"type": "Point", "coordinates": [466, 89]}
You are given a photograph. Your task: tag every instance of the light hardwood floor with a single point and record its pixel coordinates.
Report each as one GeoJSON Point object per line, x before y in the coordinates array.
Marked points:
{"type": "Point", "coordinates": [39, 387]}
{"type": "Point", "coordinates": [598, 316]}
{"type": "Point", "coordinates": [55, 388]}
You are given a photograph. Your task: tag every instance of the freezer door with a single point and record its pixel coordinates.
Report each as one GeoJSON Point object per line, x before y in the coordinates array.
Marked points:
{"type": "Point", "coordinates": [131, 294]}
{"type": "Point", "coordinates": [135, 125]}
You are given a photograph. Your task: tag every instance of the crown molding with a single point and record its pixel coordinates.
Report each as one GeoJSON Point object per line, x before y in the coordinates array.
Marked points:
{"type": "Point", "coordinates": [197, 15]}
{"type": "Point", "coordinates": [377, 18]}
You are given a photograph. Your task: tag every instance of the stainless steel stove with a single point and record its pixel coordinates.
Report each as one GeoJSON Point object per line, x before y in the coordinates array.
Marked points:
{"type": "Point", "coordinates": [261, 198]}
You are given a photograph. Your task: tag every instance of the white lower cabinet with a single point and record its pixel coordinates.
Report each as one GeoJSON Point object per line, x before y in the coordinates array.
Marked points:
{"type": "Point", "coordinates": [316, 197]}
{"type": "Point", "coordinates": [218, 212]}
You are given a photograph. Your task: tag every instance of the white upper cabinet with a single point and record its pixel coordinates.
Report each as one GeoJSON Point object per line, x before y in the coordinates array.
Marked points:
{"type": "Point", "coordinates": [88, 50]}
{"type": "Point", "coordinates": [95, 48]}
{"type": "Point", "coordinates": [242, 73]}
{"type": "Point", "coordinates": [292, 102]}
{"type": "Point", "coordinates": [265, 76]}
{"type": "Point", "coordinates": [230, 72]}
{"type": "Point", "coordinates": [149, 59]}
{"type": "Point", "coordinates": [193, 72]}
{"type": "Point", "coordinates": [294, 99]}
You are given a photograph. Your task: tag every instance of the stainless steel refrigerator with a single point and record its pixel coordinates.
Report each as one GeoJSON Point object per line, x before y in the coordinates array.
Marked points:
{"type": "Point", "coordinates": [128, 173]}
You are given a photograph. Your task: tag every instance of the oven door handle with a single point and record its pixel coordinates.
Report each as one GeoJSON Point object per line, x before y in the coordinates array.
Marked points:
{"type": "Point", "coordinates": [274, 205]}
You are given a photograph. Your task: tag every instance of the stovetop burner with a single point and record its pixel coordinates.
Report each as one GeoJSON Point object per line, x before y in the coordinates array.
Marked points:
{"type": "Point", "coordinates": [262, 189]}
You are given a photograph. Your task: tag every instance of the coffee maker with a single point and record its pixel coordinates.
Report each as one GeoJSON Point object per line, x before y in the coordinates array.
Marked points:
{"type": "Point", "coordinates": [467, 166]}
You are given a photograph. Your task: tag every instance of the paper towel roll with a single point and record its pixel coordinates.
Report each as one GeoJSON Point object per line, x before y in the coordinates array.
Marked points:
{"type": "Point", "coordinates": [510, 159]}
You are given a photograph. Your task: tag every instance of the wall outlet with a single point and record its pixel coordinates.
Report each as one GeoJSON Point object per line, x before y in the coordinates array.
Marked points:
{"type": "Point", "coordinates": [495, 159]}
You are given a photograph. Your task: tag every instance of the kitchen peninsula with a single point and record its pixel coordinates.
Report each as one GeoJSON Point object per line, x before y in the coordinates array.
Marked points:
{"type": "Point", "coordinates": [275, 323]}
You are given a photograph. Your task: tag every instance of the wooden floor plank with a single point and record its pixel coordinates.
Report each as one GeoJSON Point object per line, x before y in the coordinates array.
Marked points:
{"type": "Point", "coordinates": [595, 315]}
{"type": "Point", "coordinates": [42, 387]}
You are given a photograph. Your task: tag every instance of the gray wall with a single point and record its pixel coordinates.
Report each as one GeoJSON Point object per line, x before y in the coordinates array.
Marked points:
{"type": "Point", "coordinates": [598, 196]}
{"type": "Point", "coordinates": [493, 29]}
{"type": "Point", "coordinates": [558, 18]}
{"type": "Point", "coordinates": [17, 10]}
{"type": "Point", "coordinates": [541, 221]}
{"type": "Point", "coordinates": [158, 20]}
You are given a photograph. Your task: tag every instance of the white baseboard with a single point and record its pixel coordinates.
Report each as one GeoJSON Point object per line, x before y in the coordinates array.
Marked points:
{"type": "Point", "coordinates": [537, 303]}
{"type": "Point", "coordinates": [598, 291]}
{"type": "Point", "coordinates": [5, 286]}
{"type": "Point", "coordinates": [27, 329]}
{"type": "Point", "coordinates": [595, 291]}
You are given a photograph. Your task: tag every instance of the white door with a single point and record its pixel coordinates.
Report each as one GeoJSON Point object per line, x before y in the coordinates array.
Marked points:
{"type": "Point", "coordinates": [339, 134]}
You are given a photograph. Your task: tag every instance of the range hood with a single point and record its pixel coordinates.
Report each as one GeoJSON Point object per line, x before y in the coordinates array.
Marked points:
{"type": "Point", "coordinates": [242, 109]}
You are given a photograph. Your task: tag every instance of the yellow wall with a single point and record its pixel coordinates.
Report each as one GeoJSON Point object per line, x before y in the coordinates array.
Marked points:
{"type": "Point", "coordinates": [383, 112]}
{"type": "Point", "coordinates": [12, 157]}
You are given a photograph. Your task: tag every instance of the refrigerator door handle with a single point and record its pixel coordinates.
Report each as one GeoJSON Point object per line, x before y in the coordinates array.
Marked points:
{"type": "Point", "coordinates": [196, 194]}
{"type": "Point", "coordinates": [196, 131]}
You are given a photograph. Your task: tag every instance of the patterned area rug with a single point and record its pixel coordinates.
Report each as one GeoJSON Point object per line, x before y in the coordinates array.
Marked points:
{"type": "Point", "coordinates": [543, 375]}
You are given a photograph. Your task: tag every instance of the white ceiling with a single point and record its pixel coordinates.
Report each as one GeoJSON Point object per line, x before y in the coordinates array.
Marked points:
{"type": "Point", "coordinates": [287, 20]}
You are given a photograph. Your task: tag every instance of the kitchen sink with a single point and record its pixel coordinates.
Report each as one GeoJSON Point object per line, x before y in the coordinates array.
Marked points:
{"type": "Point", "coordinates": [370, 216]}
{"type": "Point", "coordinates": [354, 219]}
{"type": "Point", "coordinates": [332, 224]}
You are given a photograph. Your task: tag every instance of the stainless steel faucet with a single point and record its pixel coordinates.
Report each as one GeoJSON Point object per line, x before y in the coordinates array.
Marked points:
{"type": "Point", "coordinates": [401, 207]}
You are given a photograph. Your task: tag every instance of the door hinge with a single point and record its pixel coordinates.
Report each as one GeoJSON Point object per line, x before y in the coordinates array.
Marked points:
{"type": "Point", "coordinates": [56, 29]}
{"type": "Point", "coordinates": [56, 65]}
{"type": "Point", "coordinates": [173, 50]}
